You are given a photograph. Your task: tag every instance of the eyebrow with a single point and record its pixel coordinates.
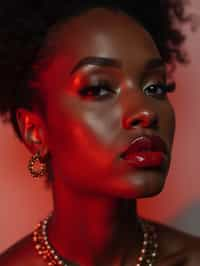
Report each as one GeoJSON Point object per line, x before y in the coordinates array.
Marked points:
{"type": "Point", "coordinates": [152, 64]}
{"type": "Point", "coordinates": [97, 61]}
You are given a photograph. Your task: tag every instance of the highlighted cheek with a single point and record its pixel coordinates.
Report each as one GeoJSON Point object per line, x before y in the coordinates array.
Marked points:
{"type": "Point", "coordinates": [106, 126]}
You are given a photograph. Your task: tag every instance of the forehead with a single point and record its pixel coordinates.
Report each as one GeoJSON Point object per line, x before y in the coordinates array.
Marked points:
{"type": "Point", "coordinates": [98, 32]}
{"type": "Point", "coordinates": [101, 32]}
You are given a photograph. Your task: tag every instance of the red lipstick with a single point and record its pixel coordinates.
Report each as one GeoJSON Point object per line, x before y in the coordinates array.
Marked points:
{"type": "Point", "coordinates": [145, 152]}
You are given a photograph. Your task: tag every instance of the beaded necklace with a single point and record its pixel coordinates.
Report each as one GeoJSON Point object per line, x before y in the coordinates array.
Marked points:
{"type": "Point", "coordinates": [147, 255]}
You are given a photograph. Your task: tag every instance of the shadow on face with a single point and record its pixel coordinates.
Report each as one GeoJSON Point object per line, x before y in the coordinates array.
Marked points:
{"type": "Point", "coordinates": [105, 86]}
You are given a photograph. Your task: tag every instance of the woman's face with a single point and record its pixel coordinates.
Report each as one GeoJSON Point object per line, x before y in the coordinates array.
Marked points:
{"type": "Point", "coordinates": [96, 107]}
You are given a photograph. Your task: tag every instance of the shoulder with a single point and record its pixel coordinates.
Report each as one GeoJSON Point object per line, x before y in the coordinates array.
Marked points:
{"type": "Point", "coordinates": [176, 247]}
{"type": "Point", "coordinates": [21, 253]}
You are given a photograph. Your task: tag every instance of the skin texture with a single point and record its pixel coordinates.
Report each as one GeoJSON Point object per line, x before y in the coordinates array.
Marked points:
{"type": "Point", "coordinates": [95, 220]}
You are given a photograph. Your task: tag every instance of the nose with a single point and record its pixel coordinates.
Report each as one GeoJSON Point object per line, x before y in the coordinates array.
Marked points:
{"type": "Point", "coordinates": [143, 119]}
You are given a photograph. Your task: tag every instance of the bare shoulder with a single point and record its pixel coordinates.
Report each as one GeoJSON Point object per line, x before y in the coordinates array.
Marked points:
{"type": "Point", "coordinates": [21, 253]}
{"type": "Point", "coordinates": [177, 248]}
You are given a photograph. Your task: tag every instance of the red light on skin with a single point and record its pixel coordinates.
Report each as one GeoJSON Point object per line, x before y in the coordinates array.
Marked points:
{"type": "Point", "coordinates": [50, 73]}
{"type": "Point", "coordinates": [74, 83]}
{"type": "Point", "coordinates": [77, 81]}
{"type": "Point", "coordinates": [27, 120]}
{"type": "Point", "coordinates": [100, 154]}
{"type": "Point", "coordinates": [145, 119]}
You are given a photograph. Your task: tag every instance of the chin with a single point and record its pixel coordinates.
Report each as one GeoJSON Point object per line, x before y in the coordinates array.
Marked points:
{"type": "Point", "coordinates": [140, 184]}
{"type": "Point", "coordinates": [147, 183]}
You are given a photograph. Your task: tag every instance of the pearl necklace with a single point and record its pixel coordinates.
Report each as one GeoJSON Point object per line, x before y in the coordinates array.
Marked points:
{"type": "Point", "coordinates": [147, 255]}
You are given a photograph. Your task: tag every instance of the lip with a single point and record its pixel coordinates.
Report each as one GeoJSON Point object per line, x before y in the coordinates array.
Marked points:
{"type": "Point", "coordinates": [145, 152]}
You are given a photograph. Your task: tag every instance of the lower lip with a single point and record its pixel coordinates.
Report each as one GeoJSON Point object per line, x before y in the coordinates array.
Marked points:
{"type": "Point", "coordinates": [145, 159]}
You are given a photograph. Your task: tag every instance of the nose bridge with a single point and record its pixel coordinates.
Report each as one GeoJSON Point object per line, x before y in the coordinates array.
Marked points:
{"type": "Point", "coordinates": [138, 109]}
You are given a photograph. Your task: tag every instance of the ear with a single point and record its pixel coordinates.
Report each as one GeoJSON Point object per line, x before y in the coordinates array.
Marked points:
{"type": "Point", "coordinates": [33, 131]}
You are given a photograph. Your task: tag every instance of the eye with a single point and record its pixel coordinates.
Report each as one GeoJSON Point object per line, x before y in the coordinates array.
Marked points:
{"type": "Point", "coordinates": [99, 91]}
{"type": "Point", "coordinates": [159, 89]}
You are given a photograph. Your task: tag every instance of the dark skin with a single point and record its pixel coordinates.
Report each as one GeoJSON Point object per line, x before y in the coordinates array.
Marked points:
{"type": "Point", "coordinates": [95, 220]}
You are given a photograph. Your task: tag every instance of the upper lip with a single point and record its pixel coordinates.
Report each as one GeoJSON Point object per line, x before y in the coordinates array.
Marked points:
{"type": "Point", "coordinates": [144, 143]}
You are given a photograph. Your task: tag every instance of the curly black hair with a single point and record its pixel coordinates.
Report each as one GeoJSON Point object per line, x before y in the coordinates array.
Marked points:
{"type": "Point", "coordinates": [24, 25]}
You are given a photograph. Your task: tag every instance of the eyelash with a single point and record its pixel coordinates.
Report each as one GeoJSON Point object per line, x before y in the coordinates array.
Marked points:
{"type": "Point", "coordinates": [164, 89]}
{"type": "Point", "coordinates": [95, 89]}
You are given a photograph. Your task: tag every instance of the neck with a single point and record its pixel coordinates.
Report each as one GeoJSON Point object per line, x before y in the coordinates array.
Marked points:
{"type": "Point", "coordinates": [92, 230]}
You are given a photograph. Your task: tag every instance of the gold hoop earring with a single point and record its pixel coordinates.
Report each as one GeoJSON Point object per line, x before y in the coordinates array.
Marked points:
{"type": "Point", "coordinates": [37, 166]}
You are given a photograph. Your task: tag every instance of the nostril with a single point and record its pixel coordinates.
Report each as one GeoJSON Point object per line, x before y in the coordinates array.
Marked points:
{"type": "Point", "coordinates": [141, 119]}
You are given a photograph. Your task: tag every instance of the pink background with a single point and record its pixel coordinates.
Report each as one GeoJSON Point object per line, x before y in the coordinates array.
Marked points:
{"type": "Point", "coordinates": [23, 201]}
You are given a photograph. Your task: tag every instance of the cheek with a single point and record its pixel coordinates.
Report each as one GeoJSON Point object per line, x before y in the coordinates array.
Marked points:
{"type": "Point", "coordinates": [81, 140]}
{"type": "Point", "coordinates": [105, 125]}
{"type": "Point", "coordinates": [81, 160]}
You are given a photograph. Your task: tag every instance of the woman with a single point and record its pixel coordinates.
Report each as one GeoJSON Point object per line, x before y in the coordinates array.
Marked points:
{"type": "Point", "coordinates": [85, 85]}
